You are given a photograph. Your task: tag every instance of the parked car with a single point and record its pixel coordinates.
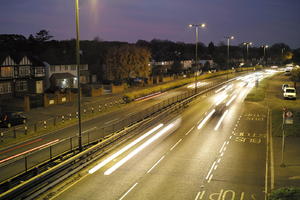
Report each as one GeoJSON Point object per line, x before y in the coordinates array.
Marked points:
{"type": "Point", "coordinates": [284, 86]}
{"type": "Point", "coordinates": [10, 119]}
{"type": "Point", "coordinates": [289, 93]}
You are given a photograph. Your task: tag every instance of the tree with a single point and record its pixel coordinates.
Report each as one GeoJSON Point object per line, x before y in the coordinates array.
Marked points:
{"type": "Point", "coordinates": [126, 62]}
{"type": "Point", "coordinates": [42, 36]}
{"type": "Point", "coordinates": [295, 76]}
{"type": "Point", "coordinates": [285, 194]}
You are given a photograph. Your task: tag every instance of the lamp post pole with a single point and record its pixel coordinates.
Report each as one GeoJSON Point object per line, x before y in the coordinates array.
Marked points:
{"type": "Point", "coordinates": [228, 44]}
{"type": "Point", "coordinates": [247, 46]}
{"type": "Point", "coordinates": [265, 46]}
{"type": "Point", "coordinates": [78, 76]}
{"type": "Point", "coordinates": [196, 53]}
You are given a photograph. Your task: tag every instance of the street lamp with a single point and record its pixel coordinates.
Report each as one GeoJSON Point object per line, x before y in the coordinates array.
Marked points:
{"type": "Point", "coordinates": [196, 54]}
{"type": "Point", "coordinates": [247, 44]}
{"type": "Point", "coordinates": [78, 76]}
{"type": "Point", "coordinates": [265, 47]}
{"type": "Point", "coordinates": [228, 44]}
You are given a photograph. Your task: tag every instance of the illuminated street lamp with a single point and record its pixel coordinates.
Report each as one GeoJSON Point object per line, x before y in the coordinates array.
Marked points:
{"type": "Point", "coordinates": [78, 75]}
{"type": "Point", "coordinates": [247, 44]}
{"type": "Point", "coordinates": [196, 54]}
{"type": "Point", "coordinates": [265, 47]}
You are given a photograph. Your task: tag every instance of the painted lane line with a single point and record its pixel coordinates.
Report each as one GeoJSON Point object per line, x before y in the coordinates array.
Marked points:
{"type": "Point", "coordinates": [207, 176]}
{"type": "Point", "coordinates": [198, 194]}
{"type": "Point", "coordinates": [21, 145]}
{"type": "Point", "coordinates": [222, 147]}
{"type": "Point", "coordinates": [128, 191]}
{"type": "Point", "coordinates": [221, 120]}
{"type": "Point", "coordinates": [231, 100]}
{"type": "Point", "coordinates": [138, 149]}
{"type": "Point", "coordinates": [227, 142]}
{"type": "Point", "coordinates": [30, 150]}
{"type": "Point", "coordinates": [219, 160]}
{"type": "Point", "coordinates": [222, 154]}
{"type": "Point", "coordinates": [230, 137]}
{"type": "Point", "coordinates": [216, 166]}
{"type": "Point", "coordinates": [202, 194]}
{"type": "Point", "coordinates": [175, 144]}
{"type": "Point", "coordinates": [210, 178]}
{"type": "Point", "coordinates": [107, 160]}
{"type": "Point", "coordinates": [190, 130]}
{"type": "Point", "coordinates": [110, 121]}
{"type": "Point", "coordinates": [89, 130]}
{"type": "Point", "coordinates": [155, 164]}
{"type": "Point", "coordinates": [206, 119]}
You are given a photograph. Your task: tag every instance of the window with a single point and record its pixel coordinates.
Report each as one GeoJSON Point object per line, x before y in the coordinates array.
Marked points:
{"type": "Point", "coordinates": [39, 71]}
{"type": "Point", "coordinates": [7, 72]}
{"type": "Point", "coordinates": [24, 70]}
{"type": "Point", "coordinates": [21, 86]}
{"type": "Point", "coordinates": [5, 88]}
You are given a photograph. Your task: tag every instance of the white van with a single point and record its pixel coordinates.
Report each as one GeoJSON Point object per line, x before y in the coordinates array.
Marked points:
{"type": "Point", "coordinates": [289, 93]}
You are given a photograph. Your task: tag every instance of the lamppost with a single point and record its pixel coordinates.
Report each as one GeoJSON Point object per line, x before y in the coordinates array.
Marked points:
{"type": "Point", "coordinates": [265, 47]}
{"type": "Point", "coordinates": [247, 44]}
{"type": "Point", "coordinates": [78, 76]}
{"type": "Point", "coordinates": [196, 54]}
{"type": "Point", "coordinates": [228, 44]}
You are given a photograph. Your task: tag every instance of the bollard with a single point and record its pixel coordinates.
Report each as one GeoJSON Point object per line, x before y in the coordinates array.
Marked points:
{"type": "Point", "coordinates": [77, 115]}
{"type": "Point", "coordinates": [45, 124]}
{"type": "Point", "coordinates": [92, 109]}
{"type": "Point", "coordinates": [70, 116]}
{"type": "Point", "coordinates": [63, 119]}
{"type": "Point", "coordinates": [1, 137]}
{"type": "Point", "coordinates": [25, 129]}
{"type": "Point", "coordinates": [84, 111]}
{"type": "Point", "coordinates": [99, 108]}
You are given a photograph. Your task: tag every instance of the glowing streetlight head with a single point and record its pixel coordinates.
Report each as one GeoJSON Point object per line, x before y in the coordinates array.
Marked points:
{"type": "Point", "coordinates": [190, 25]}
{"type": "Point", "coordinates": [250, 43]}
{"type": "Point", "coordinates": [232, 37]}
{"type": "Point", "coordinates": [203, 25]}
{"type": "Point", "coordinates": [267, 46]}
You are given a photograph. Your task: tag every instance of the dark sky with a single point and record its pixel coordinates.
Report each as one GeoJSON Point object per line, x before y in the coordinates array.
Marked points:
{"type": "Point", "coordinates": [258, 21]}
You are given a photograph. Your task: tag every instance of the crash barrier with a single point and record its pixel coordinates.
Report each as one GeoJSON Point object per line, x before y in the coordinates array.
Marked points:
{"type": "Point", "coordinates": [71, 144]}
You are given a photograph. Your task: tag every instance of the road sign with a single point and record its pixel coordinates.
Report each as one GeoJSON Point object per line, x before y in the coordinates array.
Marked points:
{"type": "Point", "coordinates": [288, 117]}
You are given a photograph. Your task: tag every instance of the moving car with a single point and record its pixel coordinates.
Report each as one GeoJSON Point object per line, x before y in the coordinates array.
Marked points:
{"type": "Point", "coordinates": [10, 119]}
{"type": "Point", "coordinates": [289, 93]}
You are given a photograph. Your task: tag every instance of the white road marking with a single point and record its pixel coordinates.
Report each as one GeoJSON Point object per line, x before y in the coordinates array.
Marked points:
{"type": "Point", "coordinates": [202, 194]}
{"type": "Point", "coordinates": [222, 154]}
{"type": "Point", "coordinates": [198, 194]}
{"type": "Point", "coordinates": [88, 130]}
{"type": "Point", "coordinates": [110, 121]}
{"type": "Point", "coordinates": [222, 147]}
{"type": "Point", "coordinates": [216, 167]}
{"type": "Point", "coordinates": [190, 130]}
{"type": "Point", "coordinates": [213, 165]}
{"type": "Point", "coordinates": [128, 191]}
{"type": "Point", "coordinates": [230, 137]}
{"type": "Point", "coordinates": [219, 160]}
{"type": "Point", "coordinates": [175, 144]}
{"type": "Point", "coordinates": [227, 142]}
{"type": "Point", "coordinates": [210, 178]}
{"type": "Point", "coordinates": [155, 164]}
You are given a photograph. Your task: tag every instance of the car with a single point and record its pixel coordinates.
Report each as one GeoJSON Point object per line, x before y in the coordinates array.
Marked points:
{"type": "Point", "coordinates": [284, 86]}
{"type": "Point", "coordinates": [9, 119]}
{"type": "Point", "coordinates": [289, 93]}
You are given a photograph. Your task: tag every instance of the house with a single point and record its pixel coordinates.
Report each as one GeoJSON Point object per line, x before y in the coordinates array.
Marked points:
{"type": "Point", "coordinates": [65, 76]}
{"type": "Point", "coordinates": [20, 75]}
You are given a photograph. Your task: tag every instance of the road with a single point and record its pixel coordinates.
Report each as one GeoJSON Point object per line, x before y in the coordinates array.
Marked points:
{"type": "Point", "coordinates": [200, 157]}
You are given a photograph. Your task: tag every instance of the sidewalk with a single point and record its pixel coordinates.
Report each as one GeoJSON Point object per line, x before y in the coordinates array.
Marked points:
{"type": "Point", "coordinates": [290, 174]}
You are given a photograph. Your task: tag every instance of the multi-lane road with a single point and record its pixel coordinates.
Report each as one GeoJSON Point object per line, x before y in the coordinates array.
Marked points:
{"type": "Point", "coordinates": [214, 149]}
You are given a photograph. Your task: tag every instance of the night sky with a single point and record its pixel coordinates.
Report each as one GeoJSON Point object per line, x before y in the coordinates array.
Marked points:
{"type": "Point", "coordinates": [258, 21]}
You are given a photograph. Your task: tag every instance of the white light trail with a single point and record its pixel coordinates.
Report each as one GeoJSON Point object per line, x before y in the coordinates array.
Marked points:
{"type": "Point", "coordinates": [107, 160]}
{"type": "Point", "coordinates": [140, 148]}
{"type": "Point", "coordinates": [206, 119]}
{"type": "Point", "coordinates": [218, 90]}
{"type": "Point", "coordinates": [220, 121]}
{"type": "Point", "coordinates": [231, 100]}
{"type": "Point", "coordinates": [221, 98]}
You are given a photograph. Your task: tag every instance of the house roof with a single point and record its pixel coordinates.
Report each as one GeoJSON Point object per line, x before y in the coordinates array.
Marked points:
{"type": "Point", "coordinates": [62, 76]}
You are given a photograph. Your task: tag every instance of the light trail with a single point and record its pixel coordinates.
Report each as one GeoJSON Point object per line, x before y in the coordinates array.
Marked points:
{"type": "Point", "coordinates": [107, 160]}
{"type": "Point", "coordinates": [220, 121]}
{"type": "Point", "coordinates": [140, 148]}
{"type": "Point", "coordinates": [206, 119]}
{"type": "Point", "coordinates": [231, 100]}
{"type": "Point", "coordinates": [30, 150]}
